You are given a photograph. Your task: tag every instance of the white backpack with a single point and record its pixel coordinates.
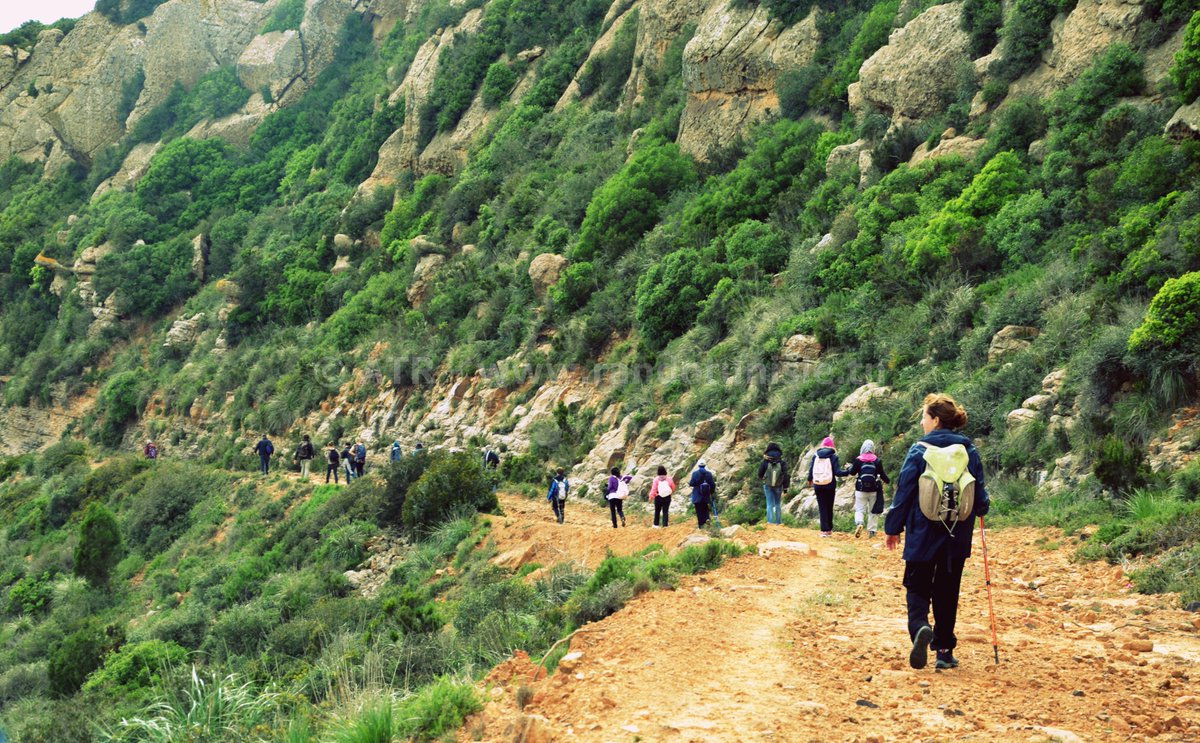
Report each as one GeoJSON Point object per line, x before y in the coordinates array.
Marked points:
{"type": "Point", "coordinates": [822, 471]}
{"type": "Point", "coordinates": [663, 489]}
{"type": "Point", "coordinates": [560, 489]}
{"type": "Point", "coordinates": [622, 490]}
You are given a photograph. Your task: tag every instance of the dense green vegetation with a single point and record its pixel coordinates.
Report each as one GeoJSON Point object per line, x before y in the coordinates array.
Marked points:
{"type": "Point", "coordinates": [252, 630]}
{"type": "Point", "coordinates": [1078, 218]}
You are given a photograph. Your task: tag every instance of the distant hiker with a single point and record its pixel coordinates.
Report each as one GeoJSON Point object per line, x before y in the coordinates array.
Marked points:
{"type": "Point", "coordinates": [150, 451]}
{"type": "Point", "coordinates": [491, 460]}
{"type": "Point", "coordinates": [305, 454]}
{"type": "Point", "coordinates": [773, 472]}
{"type": "Point", "coordinates": [661, 489]}
{"type": "Point", "coordinates": [395, 453]}
{"type": "Point", "coordinates": [869, 477]}
{"type": "Point", "coordinates": [617, 492]}
{"type": "Point", "coordinates": [938, 494]}
{"type": "Point", "coordinates": [331, 462]}
{"type": "Point", "coordinates": [360, 458]}
{"type": "Point", "coordinates": [822, 473]}
{"type": "Point", "coordinates": [419, 448]}
{"type": "Point", "coordinates": [558, 495]}
{"type": "Point", "coordinates": [264, 449]}
{"type": "Point", "coordinates": [348, 461]}
{"type": "Point", "coordinates": [704, 489]}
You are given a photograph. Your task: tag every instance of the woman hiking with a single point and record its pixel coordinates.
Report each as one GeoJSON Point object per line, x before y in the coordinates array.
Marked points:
{"type": "Point", "coordinates": [618, 491]}
{"type": "Point", "coordinates": [823, 472]}
{"type": "Point", "coordinates": [938, 493]}
{"type": "Point", "coordinates": [557, 495]}
{"type": "Point", "coordinates": [773, 473]}
{"type": "Point", "coordinates": [661, 489]}
{"type": "Point", "coordinates": [869, 477]}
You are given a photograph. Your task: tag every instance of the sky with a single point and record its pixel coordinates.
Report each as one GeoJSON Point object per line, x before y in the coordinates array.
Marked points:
{"type": "Point", "coordinates": [15, 12]}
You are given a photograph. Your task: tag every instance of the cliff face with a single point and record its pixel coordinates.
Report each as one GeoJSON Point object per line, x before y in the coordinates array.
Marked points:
{"type": "Point", "coordinates": [74, 95]}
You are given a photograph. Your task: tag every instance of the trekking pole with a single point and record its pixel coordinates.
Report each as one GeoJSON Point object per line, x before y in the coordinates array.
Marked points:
{"type": "Point", "coordinates": [987, 580]}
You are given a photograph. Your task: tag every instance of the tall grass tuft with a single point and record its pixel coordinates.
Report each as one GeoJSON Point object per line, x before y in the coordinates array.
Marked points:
{"type": "Point", "coordinates": [208, 711]}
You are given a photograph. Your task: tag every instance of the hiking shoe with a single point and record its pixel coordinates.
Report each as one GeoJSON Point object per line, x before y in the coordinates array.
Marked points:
{"type": "Point", "coordinates": [622, 521]}
{"type": "Point", "coordinates": [871, 534]}
{"type": "Point", "coordinates": [945, 659]}
{"type": "Point", "coordinates": [919, 657]}
{"type": "Point", "coordinates": [858, 531]}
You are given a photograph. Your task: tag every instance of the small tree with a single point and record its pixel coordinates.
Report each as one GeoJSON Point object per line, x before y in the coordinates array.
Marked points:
{"type": "Point", "coordinates": [1185, 72]}
{"type": "Point", "coordinates": [99, 549]}
{"type": "Point", "coordinates": [451, 483]}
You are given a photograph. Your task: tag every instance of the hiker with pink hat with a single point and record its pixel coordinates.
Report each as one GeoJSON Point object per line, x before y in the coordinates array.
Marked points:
{"type": "Point", "coordinates": [823, 472]}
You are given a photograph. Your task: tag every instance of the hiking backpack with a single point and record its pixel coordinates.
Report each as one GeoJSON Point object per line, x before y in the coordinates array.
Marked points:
{"type": "Point", "coordinates": [946, 489]}
{"type": "Point", "coordinates": [774, 472]}
{"type": "Point", "coordinates": [663, 488]}
{"type": "Point", "coordinates": [822, 472]}
{"type": "Point", "coordinates": [867, 479]}
{"type": "Point", "coordinates": [622, 490]}
{"type": "Point", "coordinates": [560, 489]}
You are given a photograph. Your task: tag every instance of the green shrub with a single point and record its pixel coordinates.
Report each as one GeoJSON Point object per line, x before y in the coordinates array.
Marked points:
{"type": "Point", "coordinates": [1026, 33]}
{"type": "Point", "coordinates": [61, 457]}
{"type": "Point", "coordinates": [1174, 572]}
{"type": "Point", "coordinates": [160, 503]}
{"type": "Point", "coordinates": [575, 286]}
{"type": "Point", "coordinates": [1118, 466]}
{"type": "Point", "coordinates": [1186, 482]}
{"type": "Point", "coordinates": [523, 468]}
{"type": "Point", "coordinates": [605, 73]}
{"type": "Point", "coordinates": [451, 484]}
{"type": "Point", "coordinates": [982, 20]}
{"type": "Point", "coordinates": [628, 204]}
{"type": "Point", "coordinates": [438, 709]}
{"type": "Point", "coordinates": [99, 548]}
{"type": "Point", "coordinates": [287, 16]}
{"type": "Point", "coordinates": [136, 667]}
{"type": "Point", "coordinates": [30, 595]}
{"type": "Point", "coordinates": [1170, 332]}
{"type": "Point", "coordinates": [80, 653]}
{"type": "Point", "coordinates": [498, 83]}
{"type": "Point", "coordinates": [1185, 69]}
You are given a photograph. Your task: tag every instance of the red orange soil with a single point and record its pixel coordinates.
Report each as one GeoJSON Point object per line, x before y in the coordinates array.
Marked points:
{"type": "Point", "coordinates": [797, 646]}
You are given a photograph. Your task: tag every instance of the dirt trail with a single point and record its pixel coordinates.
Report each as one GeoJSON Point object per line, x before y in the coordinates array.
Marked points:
{"type": "Point", "coordinates": [812, 645]}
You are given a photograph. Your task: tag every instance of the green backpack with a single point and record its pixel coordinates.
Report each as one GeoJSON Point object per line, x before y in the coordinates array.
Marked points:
{"type": "Point", "coordinates": [946, 489]}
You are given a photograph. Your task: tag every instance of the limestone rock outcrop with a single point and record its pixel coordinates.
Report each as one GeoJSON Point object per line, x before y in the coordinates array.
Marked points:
{"type": "Point", "coordinates": [1009, 340]}
{"type": "Point", "coordinates": [730, 70]}
{"type": "Point", "coordinates": [1185, 123]}
{"type": "Point", "coordinates": [920, 66]}
{"type": "Point", "coordinates": [423, 275]}
{"type": "Point", "coordinates": [544, 271]}
{"type": "Point", "coordinates": [862, 399]}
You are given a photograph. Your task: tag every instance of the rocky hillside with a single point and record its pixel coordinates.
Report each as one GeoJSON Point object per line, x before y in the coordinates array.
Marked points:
{"type": "Point", "coordinates": [637, 234]}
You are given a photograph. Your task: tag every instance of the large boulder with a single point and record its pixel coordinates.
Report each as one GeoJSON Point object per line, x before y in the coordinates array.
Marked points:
{"type": "Point", "coordinates": [271, 62]}
{"type": "Point", "coordinates": [950, 145]}
{"type": "Point", "coordinates": [544, 271]}
{"type": "Point", "coordinates": [730, 70]}
{"type": "Point", "coordinates": [1011, 339]}
{"type": "Point", "coordinates": [423, 274]}
{"type": "Point", "coordinates": [919, 68]}
{"type": "Point", "coordinates": [1185, 123]}
{"type": "Point", "coordinates": [861, 399]}
{"type": "Point", "coordinates": [1076, 40]}
{"type": "Point", "coordinates": [133, 168]}
{"type": "Point", "coordinates": [799, 354]}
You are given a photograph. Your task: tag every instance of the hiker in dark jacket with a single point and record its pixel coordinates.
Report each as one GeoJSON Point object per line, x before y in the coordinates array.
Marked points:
{"type": "Point", "coordinates": [616, 499]}
{"type": "Point", "coordinates": [934, 552]}
{"type": "Point", "coordinates": [360, 458]}
{"type": "Point", "coordinates": [825, 466]}
{"type": "Point", "coordinates": [704, 490]}
{"type": "Point", "coordinates": [395, 453]}
{"type": "Point", "coordinates": [773, 473]}
{"type": "Point", "coordinates": [348, 461]}
{"type": "Point", "coordinates": [304, 455]}
{"type": "Point", "coordinates": [264, 449]}
{"type": "Point", "coordinates": [557, 495]}
{"type": "Point", "coordinates": [869, 477]}
{"type": "Point", "coordinates": [331, 462]}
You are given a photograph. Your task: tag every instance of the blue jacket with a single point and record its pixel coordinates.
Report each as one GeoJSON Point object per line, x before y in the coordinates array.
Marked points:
{"type": "Point", "coordinates": [928, 540]}
{"type": "Point", "coordinates": [396, 453]}
{"type": "Point", "coordinates": [827, 453]}
{"type": "Point", "coordinates": [553, 483]}
{"type": "Point", "coordinates": [264, 447]}
{"type": "Point", "coordinates": [699, 476]}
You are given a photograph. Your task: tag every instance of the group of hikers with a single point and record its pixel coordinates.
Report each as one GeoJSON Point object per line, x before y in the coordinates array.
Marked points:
{"type": "Point", "coordinates": [351, 459]}
{"type": "Point", "coordinates": [773, 473]}
{"type": "Point", "coordinates": [938, 493]}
